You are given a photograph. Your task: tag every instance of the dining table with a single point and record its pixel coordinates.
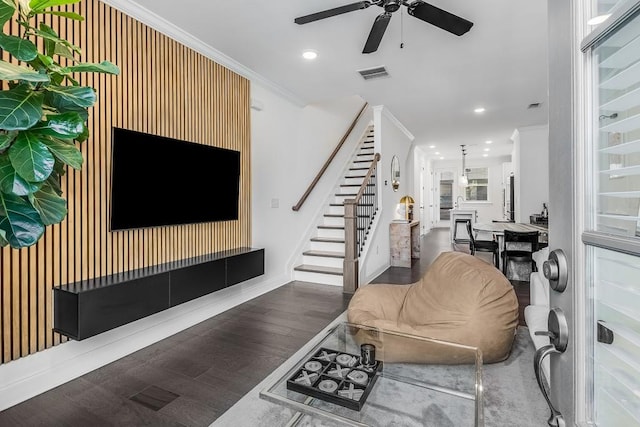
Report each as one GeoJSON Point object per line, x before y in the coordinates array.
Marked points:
{"type": "Point", "coordinates": [497, 229]}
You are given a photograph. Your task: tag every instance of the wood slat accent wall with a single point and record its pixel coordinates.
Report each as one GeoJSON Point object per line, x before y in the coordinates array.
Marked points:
{"type": "Point", "coordinates": [165, 89]}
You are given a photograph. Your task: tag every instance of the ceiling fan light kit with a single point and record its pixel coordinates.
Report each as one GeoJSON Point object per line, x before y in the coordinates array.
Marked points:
{"type": "Point", "coordinates": [418, 9]}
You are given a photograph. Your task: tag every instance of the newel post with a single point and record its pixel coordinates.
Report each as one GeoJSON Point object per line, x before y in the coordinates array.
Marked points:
{"type": "Point", "coordinates": [350, 267]}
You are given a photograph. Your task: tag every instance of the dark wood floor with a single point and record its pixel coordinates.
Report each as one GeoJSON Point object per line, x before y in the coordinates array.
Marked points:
{"type": "Point", "coordinates": [191, 378]}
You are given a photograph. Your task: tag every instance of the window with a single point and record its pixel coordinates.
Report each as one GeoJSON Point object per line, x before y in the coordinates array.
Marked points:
{"type": "Point", "coordinates": [478, 188]}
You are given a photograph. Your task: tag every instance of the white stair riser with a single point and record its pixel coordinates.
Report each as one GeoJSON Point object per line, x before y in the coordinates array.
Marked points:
{"type": "Point", "coordinates": [341, 199]}
{"type": "Point", "coordinates": [362, 164]}
{"type": "Point", "coordinates": [329, 220]}
{"type": "Point", "coordinates": [336, 210]}
{"type": "Point", "coordinates": [326, 246]}
{"type": "Point", "coordinates": [366, 156]}
{"type": "Point", "coordinates": [326, 279]}
{"type": "Point", "coordinates": [352, 181]}
{"type": "Point", "coordinates": [322, 261]}
{"type": "Point", "coordinates": [324, 232]}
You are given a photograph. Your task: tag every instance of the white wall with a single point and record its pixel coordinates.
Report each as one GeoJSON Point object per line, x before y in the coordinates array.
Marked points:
{"type": "Point", "coordinates": [492, 209]}
{"type": "Point", "coordinates": [392, 138]}
{"type": "Point", "coordinates": [289, 146]}
{"type": "Point", "coordinates": [421, 194]}
{"type": "Point", "coordinates": [531, 171]}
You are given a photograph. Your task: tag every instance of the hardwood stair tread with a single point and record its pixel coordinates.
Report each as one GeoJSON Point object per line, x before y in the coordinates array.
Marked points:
{"type": "Point", "coordinates": [335, 227]}
{"type": "Point", "coordinates": [328, 239]}
{"type": "Point", "coordinates": [326, 254]}
{"type": "Point", "coordinates": [319, 269]}
{"type": "Point", "coordinates": [342, 216]}
{"type": "Point", "coordinates": [342, 204]}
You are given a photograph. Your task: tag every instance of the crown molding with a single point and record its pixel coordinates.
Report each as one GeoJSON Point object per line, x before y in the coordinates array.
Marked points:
{"type": "Point", "coordinates": [389, 115]}
{"type": "Point", "coordinates": [160, 24]}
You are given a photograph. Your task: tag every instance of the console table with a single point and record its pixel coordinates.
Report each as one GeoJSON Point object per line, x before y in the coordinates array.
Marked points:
{"type": "Point", "coordinates": [404, 243]}
{"type": "Point", "coordinates": [86, 308]}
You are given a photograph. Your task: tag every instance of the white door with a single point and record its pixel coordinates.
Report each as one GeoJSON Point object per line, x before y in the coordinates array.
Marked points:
{"type": "Point", "coordinates": [435, 199]}
{"type": "Point", "coordinates": [594, 141]}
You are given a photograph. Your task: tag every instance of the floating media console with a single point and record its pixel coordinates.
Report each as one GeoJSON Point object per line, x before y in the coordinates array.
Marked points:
{"type": "Point", "coordinates": [87, 308]}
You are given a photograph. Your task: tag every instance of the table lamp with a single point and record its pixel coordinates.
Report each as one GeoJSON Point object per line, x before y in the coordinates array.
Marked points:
{"type": "Point", "coordinates": [408, 203]}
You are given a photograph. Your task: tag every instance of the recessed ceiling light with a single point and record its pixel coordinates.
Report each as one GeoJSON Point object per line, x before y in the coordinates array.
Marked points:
{"type": "Point", "coordinates": [488, 142]}
{"type": "Point", "coordinates": [432, 146]}
{"type": "Point", "coordinates": [479, 110]}
{"type": "Point", "coordinates": [596, 20]}
{"type": "Point", "coordinates": [309, 54]}
{"type": "Point", "coordinates": [487, 149]}
{"type": "Point", "coordinates": [441, 158]}
{"type": "Point", "coordinates": [437, 152]}
{"type": "Point", "coordinates": [485, 155]}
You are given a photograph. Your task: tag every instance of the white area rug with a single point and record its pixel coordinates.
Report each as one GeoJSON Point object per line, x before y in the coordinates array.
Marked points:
{"type": "Point", "coordinates": [511, 398]}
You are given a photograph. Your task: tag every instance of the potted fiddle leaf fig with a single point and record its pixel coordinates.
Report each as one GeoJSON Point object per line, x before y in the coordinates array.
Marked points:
{"type": "Point", "coordinates": [43, 113]}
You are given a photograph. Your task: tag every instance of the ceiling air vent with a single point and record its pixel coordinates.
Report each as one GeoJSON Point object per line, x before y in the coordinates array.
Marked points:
{"type": "Point", "coordinates": [374, 73]}
{"type": "Point", "coordinates": [534, 105]}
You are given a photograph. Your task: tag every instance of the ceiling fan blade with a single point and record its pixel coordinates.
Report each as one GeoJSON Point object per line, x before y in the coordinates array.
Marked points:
{"type": "Point", "coordinates": [440, 18]}
{"type": "Point", "coordinates": [377, 31]}
{"type": "Point", "coordinates": [332, 12]}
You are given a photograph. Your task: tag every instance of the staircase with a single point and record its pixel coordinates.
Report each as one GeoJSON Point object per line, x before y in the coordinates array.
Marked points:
{"type": "Point", "coordinates": [323, 261]}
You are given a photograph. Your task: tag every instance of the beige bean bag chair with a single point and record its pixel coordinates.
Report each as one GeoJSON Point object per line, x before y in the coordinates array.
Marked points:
{"type": "Point", "coordinates": [460, 299]}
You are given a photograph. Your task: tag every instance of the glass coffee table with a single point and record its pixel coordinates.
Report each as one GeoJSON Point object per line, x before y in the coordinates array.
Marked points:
{"type": "Point", "coordinates": [330, 382]}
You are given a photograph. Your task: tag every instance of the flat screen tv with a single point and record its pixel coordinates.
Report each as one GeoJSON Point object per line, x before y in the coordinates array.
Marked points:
{"type": "Point", "coordinates": [158, 181]}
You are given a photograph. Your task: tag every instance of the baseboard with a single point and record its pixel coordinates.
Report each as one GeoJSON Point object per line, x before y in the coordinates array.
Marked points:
{"type": "Point", "coordinates": [30, 376]}
{"type": "Point", "coordinates": [376, 273]}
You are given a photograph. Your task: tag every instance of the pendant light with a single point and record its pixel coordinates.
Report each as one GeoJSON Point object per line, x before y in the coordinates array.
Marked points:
{"type": "Point", "coordinates": [462, 179]}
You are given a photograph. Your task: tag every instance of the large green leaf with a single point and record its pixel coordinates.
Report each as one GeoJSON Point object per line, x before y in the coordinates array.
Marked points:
{"type": "Point", "coordinates": [54, 182]}
{"type": "Point", "coordinates": [50, 39]}
{"type": "Point", "coordinates": [20, 221]}
{"type": "Point", "coordinates": [39, 5]}
{"type": "Point", "coordinates": [64, 51]}
{"type": "Point", "coordinates": [84, 135]}
{"type": "Point", "coordinates": [20, 48]}
{"type": "Point", "coordinates": [66, 126]}
{"type": "Point", "coordinates": [10, 71]}
{"type": "Point", "coordinates": [49, 35]}
{"type": "Point", "coordinates": [66, 153]}
{"type": "Point", "coordinates": [103, 67]}
{"type": "Point", "coordinates": [7, 9]}
{"type": "Point", "coordinates": [52, 208]}
{"type": "Point", "coordinates": [20, 108]}
{"type": "Point", "coordinates": [69, 15]}
{"type": "Point", "coordinates": [70, 98]}
{"type": "Point", "coordinates": [24, 7]}
{"type": "Point", "coordinates": [31, 158]}
{"type": "Point", "coordinates": [11, 182]}
{"type": "Point", "coordinates": [6, 139]}
{"type": "Point", "coordinates": [3, 238]}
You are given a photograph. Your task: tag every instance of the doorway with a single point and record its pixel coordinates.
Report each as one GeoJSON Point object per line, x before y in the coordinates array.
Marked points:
{"type": "Point", "coordinates": [443, 189]}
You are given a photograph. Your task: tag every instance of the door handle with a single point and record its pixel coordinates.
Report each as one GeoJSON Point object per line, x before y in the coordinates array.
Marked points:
{"type": "Point", "coordinates": [556, 270]}
{"type": "Point", "coordinates": [558, 332]}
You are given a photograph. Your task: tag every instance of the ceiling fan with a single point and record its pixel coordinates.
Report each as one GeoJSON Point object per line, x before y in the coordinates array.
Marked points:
{"type": "Point", "coordinates": [418, 9]}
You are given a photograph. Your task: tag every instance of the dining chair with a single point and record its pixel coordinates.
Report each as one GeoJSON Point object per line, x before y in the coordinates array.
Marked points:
{"type": "Point", "coordinates": [515, 248]}
{"type": "Point", "coordinates": [483, 246]}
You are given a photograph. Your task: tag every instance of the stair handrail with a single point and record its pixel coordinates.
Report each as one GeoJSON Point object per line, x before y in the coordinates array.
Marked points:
{"type": "Point", "coordinates": [354, 223]}
{"type": "Point", "coordinates": [315, 181]}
